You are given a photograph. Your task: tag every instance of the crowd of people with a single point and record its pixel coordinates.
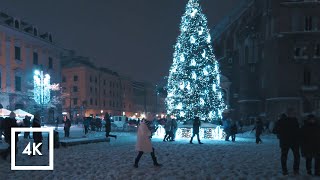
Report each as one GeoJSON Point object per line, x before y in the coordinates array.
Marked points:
{"type": "Point", "coordinates": [299, 138]}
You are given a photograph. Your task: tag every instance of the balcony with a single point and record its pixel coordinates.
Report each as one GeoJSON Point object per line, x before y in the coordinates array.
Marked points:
{"type": "Point", "coordinates": [309, 88]}
{"type": "Point", "coordinates": [301, 3]}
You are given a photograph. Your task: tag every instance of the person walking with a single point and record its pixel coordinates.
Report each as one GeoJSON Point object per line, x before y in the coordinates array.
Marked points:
{"type": "Point", "coordinates": [167, 128]}
{"type": "Point", "coordinates": [8, 123]}
{"type": "Point", "coordinates": [26, 123]}
{"type": "Point", "coordinates": [108, 126]}
{"type": "Point", "coordinates": [259, 129]}
{"type": "Point", "coordinates": [144, 143]}
{"type": "Point", "coordinates": [174, 127]}
{"type": "Point", "coordinates": [196, 127]}
{"type": "Point", "coordinates": [37, 136]}
{"type": "Point", "coordinates": [233, 130]}
{"type": "Point", "coordinates": [310, 144]}
{"type": "Point", "coordinates": [287, 130]}
{"type": "Point", "coordinates": [67, 126]}
{"type": "Point", "coordinates": [226, 128]}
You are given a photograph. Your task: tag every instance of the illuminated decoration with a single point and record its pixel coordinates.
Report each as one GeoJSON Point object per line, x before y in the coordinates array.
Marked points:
{"type": "Point", "coordinates": [41, 87]}
{"type": "Point", "coordinates": [194, 77]}
{"type": "Point", "coordinates": [215, 133]}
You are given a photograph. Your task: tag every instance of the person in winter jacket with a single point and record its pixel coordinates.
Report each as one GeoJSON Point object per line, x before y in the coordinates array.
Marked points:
{"type": "Point", "coordinates": [37, 136]}
{"type": "Point", "coordinates": [167, 128]}
{"type": "Point", "coordinates": [196, 128]}
{"type": "Point", "coordinates": [287, 130]}
{"type": "Point", "coordinates": [233, 130]}
{"type": "Point", "coordinates": [108, 126]}
{"type": "Point", "coordinates": [26, 123]}
{"type": "Point", "coordinates": [144, 143]}
{"type": "Point", "coordinates": [259, 129]}
{"type": "Point", "coordinates": [310, 144]}
{"type": "Point", "coordinates": [226, 128]}
{"type": "Point", "coordinates": [8, 123]}
{"type": "Point", "coordinates": [67, 125]}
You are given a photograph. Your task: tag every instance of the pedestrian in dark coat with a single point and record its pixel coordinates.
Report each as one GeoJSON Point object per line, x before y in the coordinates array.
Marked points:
{"type": "Point", "coordinates": [226, 128]}
{"type": "Point", "coordinates": [167, 128]}
{"type": "Point", "coordinates": [287, 130]}
{"type": "Point", "coordinates": [196, 128]}
{"type": "Point", "coordinates": [26, 123]}
{"type": "Point", "coordinates": [310, 144]}
{"type": "Point", "coordinates": [259, 129]}
{"type": "Point", "coordinates": [108, 126]}
{"type": "Point", "coordinates": [233, 130]}
{"type": "Point", "coordinates": [8, 123]}
{"type": "Point", "coordinates": [37, 136]}
{"type": "Point", "coordinates": [67, 126]}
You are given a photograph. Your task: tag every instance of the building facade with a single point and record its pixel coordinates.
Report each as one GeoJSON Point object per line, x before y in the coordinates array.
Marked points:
{"type": "Point", "coordinates": [270, 53]}
{"type": "Point", "coordinates": [89, 90]}
{"type": "Point", "coordinates": [24, 49]}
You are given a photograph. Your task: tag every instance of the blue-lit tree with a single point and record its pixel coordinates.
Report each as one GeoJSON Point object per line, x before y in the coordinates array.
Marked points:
{"type": "Point", "coordinates": [194, 80]}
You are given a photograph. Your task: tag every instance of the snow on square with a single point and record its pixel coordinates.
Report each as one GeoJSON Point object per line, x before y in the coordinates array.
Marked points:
{"type": "Point", "coordinates": [215, 159]}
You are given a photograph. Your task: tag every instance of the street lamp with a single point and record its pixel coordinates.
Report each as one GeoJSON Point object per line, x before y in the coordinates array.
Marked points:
{"type": "Point", "coordinates": [41, 88]}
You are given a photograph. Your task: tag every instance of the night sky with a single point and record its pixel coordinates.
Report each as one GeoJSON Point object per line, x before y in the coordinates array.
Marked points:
{"type": "Point", "coordinates": [132, 37]}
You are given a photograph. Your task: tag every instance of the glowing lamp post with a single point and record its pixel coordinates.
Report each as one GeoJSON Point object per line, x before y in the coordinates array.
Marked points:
{"type": "Point", "coordinates": [41, 88]}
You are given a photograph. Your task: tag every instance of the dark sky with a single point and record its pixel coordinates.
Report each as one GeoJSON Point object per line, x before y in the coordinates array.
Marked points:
{"type": "Point", "coordinates": [132, 37]}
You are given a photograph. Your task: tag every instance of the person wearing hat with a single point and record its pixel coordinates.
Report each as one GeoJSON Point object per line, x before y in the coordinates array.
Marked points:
{"type": "Point", "coordinates": [144, 142]}
{"type": "Point", "coordinates": [310, 144]}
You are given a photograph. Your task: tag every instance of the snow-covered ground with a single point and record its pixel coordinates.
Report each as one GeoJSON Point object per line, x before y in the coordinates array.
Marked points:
{"type": "Point", "coordinates": [214, 159]}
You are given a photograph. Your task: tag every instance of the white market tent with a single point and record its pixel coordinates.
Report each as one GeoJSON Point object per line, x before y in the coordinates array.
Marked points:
{"type": "Point", "coordinates": [4, 112]}
{"type": "Point", "coordinates": [21, 113]}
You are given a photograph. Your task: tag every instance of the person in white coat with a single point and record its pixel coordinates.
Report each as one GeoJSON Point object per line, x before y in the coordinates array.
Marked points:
{"type": "Point", "coordinates": [144, 142]}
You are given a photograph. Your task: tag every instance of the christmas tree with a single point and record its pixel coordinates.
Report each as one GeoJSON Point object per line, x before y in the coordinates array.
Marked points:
{"type": "Point", "coordinates": [194, 80]}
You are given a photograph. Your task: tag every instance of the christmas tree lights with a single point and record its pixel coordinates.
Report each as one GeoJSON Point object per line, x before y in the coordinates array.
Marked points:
{"type": "Point", "coordinates": [194, 80]}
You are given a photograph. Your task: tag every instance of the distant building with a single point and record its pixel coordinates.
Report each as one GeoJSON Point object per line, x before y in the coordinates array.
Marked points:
{"type": "Point", "coordinates": [269, 51]}
{"type": "Point", "coordinates": [89, 90]}
{"type": "Point", "coordinates": [24, 49]}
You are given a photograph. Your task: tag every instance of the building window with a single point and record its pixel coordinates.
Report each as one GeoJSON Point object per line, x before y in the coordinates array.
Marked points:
{"type": "Point", "coordinates": [317, 50]}
{"type": "Point", "coordinates": [75, 88]}
{"type": "Point", "coordinates": [75, 78]}
{"type": "Point", "coordinates": [96, 102]}
{"type": "Point", "coordinates": [17, 83]}
{"type": "Point", "coordinates": [95, 80]}
{"type": "Point", "coordinates": [104, 82]}
{"type": "Point", "coordinates": [104, 92]}
{"type": "Point", "coordinates": [50, 63]}
{"type": "Point", "coordinates": [306, 77]}
{"type": "Point", "coordinates": [16, 24]}
{"type": "Point", "coordinates": [35, 58]}
{"type": "Point", "coordinates": [64, 79]}
{"type": "Point", "coordinates": [91, 102]}
{"type": "Point", "coordinates": [96, 90]}
{"type": "Point", "coordinates": [110, 93]}
{"type": "Point", "coordinates": [35, 32]}
{"type": "Point", "coordinates": [110, 104]}
{"type": "Point", "coordinates": [17, 53]}
{"type": "Point", "coordinates": [104, 103]}
{"type": "Point", "coordinates": [300, 52]}
{"type": "Point", "coordinates": [90, 89]}
{"type": "Point", "coordinates": [75, 101]}
{"type": "Point", "coordinates": [308, 23]}
{"type": "Point", "coordinates": [90, 78]}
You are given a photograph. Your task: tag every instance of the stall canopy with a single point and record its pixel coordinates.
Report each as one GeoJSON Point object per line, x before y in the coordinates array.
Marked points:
{"type": "Point", "coordinates": [21, 113]}
{"type": "Point", "coordinates": [4, 112]}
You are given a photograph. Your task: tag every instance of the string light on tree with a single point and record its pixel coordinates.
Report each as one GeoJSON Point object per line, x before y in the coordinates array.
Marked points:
{"type": "Point", "coordinates": [194, 80]}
